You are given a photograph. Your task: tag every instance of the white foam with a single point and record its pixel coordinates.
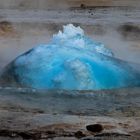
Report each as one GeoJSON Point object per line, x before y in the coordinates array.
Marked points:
{"type": "Point", "coordinates": [69, 31]}
{"type": "Point", "coordinates": [73, 36]}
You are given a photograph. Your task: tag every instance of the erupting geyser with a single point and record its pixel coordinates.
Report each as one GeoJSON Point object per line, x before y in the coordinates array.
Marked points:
{"type": "Point", "coordinates": [70, 61]}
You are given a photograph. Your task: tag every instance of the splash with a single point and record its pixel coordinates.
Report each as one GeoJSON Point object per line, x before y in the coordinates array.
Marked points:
{"type": "Point", "coordinates": [70, 61]}
{"type": "Point", "coordinates": [74, 37]}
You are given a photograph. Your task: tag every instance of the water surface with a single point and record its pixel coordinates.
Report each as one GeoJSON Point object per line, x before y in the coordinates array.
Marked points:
{"type": "Point", "coordinates": [119, 102]}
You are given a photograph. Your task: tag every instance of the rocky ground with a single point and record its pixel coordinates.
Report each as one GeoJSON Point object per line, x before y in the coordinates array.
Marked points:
{"type": "Point", "coordinates": [65, 115]}
{"type": "Point", "coordinates": [39, 126]}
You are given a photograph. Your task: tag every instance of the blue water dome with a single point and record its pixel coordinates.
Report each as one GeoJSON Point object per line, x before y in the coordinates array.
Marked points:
{"type": "Point", "coordinates": [72, 61]}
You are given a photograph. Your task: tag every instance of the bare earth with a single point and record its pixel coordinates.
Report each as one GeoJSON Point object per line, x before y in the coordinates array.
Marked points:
{"type": "Point", "coordinates": [63, 127]}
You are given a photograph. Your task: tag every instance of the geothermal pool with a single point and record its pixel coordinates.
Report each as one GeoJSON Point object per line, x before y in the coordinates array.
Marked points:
{"type": "Point", "coordinates": [115, 103]}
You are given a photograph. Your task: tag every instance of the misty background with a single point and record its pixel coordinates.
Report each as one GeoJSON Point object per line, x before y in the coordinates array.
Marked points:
{"type": "Point", "coordinates": [27, 23]}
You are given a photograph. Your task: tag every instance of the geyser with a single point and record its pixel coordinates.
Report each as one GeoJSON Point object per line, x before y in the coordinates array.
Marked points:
{"type": "Point", "coordinates": [70, 61]}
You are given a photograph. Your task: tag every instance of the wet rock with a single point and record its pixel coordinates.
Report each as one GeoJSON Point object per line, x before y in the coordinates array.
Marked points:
{"type": "Point", "coordinates": [107, 134]}
{"type": "Point", "coordinates": [25, 135]}
{"type": "Point", "coordinates": [6, 28]}
{"type": "Point", "coordinates": [83, 6]}
{"type": "Point", "coordinates": [18, 134]}
{"type": "Point", "coordinates": [96, 128]}
{"type": "Point", "coordinates": [90, 138]}
{"type": "Point", "coordinates": [130, 31]}
{"type": "Point", "coordinates": [79, 134]}
{"type": "Point", "coordinates": [130, 28]}
{"type": "Point", "coordinates": [65, 138]}
{"type": "Point", "coordinates": [7, 133]}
